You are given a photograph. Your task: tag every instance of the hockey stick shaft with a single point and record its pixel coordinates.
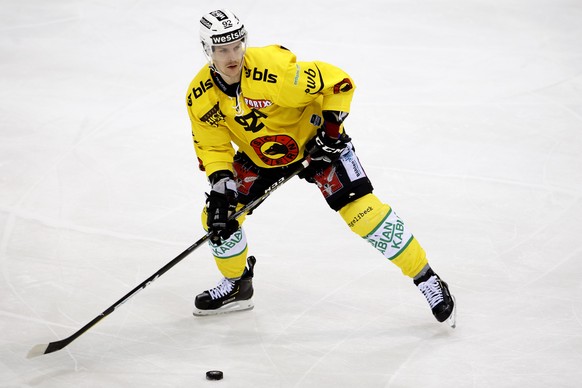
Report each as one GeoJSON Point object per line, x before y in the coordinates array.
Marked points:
{"type": "Point", "coordinates": [41, 349]}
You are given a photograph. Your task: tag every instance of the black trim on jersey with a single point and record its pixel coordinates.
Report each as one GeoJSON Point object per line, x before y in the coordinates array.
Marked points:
{"type": "Point", "coordinates": [229, 90]}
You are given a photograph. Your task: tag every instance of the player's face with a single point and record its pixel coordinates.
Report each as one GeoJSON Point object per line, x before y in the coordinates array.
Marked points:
{"type": "Point", "coordinates": [228, 60]}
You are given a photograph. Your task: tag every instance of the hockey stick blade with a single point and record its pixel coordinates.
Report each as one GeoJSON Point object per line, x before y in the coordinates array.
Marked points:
{"type": "Point", "coordinates": [37, 350]}
{"type": "Point", "coordinates": [40, 349]}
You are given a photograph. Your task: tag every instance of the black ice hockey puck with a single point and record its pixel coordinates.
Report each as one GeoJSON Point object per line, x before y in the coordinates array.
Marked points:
{"type": "Point", "coordinates": [214, 375]}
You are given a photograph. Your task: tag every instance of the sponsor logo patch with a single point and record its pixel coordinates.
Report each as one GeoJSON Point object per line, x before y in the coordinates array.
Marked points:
{"type": "Point", "coordinates": [199, 90]}
{"type": "Point", "coordinates": [257, 104]}
{"type": "Point", "coordinates": [359, 216]}
{"type": "Point", "coordinates": [391, 237]}
{"type": "Point", "coordinates": [328, 181]}
{"type": "Point", "coordinates": [206, 23]}
{"type": "Point", "coordinates": [352, 165]}
{"type": "Point", "coordinates": [228, 37]}
{"type": "Point", "coordinates": [213, 116]}
{"type": "Point", "coordinates": [260, 75]}
{"type": "Point", "coordinates": [314, 80]}
{"type": "Point", "coordinates": [218, 14]}
{"type": "Point", "coordinates": [245, 178]}
{"type": "Point", "coordinates": [232, 246]}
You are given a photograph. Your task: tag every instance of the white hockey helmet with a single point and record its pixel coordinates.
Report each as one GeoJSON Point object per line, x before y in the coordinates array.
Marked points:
{"type": "Point", "coordinates": [218, 28]}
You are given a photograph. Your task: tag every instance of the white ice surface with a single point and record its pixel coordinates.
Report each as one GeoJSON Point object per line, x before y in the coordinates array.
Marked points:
{"type": "Point", "coordinates": [467, 117]}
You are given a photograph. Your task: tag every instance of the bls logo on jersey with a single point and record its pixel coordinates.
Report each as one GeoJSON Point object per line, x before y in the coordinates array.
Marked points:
{"type": "Point", "coordinates": [259, 75]}
{"type": "Point", "coordinates": [203, 87]}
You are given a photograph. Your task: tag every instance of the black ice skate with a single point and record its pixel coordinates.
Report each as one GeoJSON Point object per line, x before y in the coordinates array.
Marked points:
{"type": "Point", "coordinates": [436, 292]}
{"type": "Point", "coordinates": [230, 295]}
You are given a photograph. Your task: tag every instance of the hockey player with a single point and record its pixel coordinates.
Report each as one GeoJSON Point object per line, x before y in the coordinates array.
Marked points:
{"type": "Point", "coordinates": [275, 110]}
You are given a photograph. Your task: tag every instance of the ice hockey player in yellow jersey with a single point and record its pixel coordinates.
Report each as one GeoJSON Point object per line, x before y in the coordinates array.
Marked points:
{"type": "Point", "coordinates": [256, 113]}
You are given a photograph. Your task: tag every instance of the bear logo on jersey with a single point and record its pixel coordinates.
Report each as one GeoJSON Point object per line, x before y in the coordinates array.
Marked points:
{"type": "Point", "coordinates": [278, 150]}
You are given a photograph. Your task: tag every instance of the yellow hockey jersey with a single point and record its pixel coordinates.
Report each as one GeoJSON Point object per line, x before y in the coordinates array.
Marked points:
{"type": "Point", "coordinates": [278, 109]}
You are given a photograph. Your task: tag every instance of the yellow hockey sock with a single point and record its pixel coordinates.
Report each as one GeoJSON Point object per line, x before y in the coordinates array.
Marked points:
{"type": "Point", "coordinates": [231, 255]}
{"type": "Point", "coordinates": [377, 223]}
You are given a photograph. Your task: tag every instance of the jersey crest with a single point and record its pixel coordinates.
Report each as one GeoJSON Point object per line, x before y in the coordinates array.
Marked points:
{"type": "Point", "coordinates": [276, 150]}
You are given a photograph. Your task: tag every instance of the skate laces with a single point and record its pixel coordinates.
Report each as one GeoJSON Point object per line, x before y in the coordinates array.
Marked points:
{"type": "Point", "coordinates": [225, 286]}
{"type": "Point", "coordinates": [432, 291]}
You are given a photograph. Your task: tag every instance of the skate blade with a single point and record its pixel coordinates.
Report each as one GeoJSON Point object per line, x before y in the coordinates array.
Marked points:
{"type": "Point", "coordinates": [452, 319]}
{"type": "Point", "coordinates": [240, 305]}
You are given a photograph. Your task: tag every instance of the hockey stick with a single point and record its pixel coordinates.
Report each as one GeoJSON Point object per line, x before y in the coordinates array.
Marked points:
{"type": "Point", "coordinates": [41, 349]}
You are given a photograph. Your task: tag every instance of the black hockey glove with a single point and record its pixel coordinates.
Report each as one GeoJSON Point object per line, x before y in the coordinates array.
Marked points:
{"type": "Point", "coordinates": [326, 149]}
{"type": "Point", "coordinates": [220, 204]}
{"type": "Point", "coordinates": [323, 150]}
{"type": "Point", "coordinates": [329, 142]}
